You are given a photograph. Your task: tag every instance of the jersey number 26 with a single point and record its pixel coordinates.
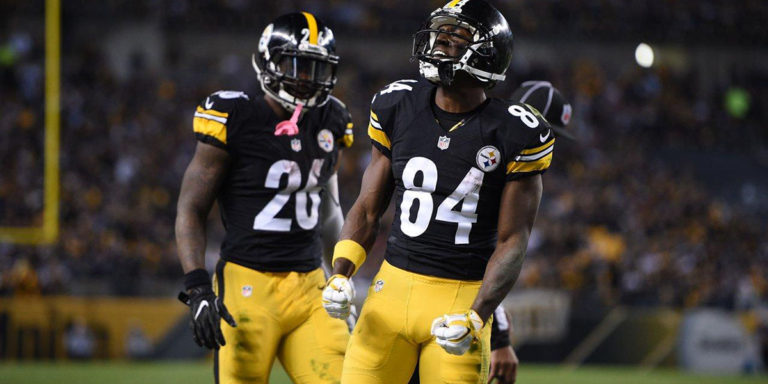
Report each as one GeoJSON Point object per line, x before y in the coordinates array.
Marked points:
{"type": "Point", "coordinates": [310, 194]}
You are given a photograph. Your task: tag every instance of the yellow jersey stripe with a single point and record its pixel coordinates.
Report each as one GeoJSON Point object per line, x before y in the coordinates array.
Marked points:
{"type": "Point", "coordinates": [538, 149]}
{"type": "Point", "coordinates": [379, 136]}
{"type": "Point", "coordinates": [212, 112]}
{"type": "Point", "coordinates": [211, 128]}
{"type": "Point", "coordinates": [529, 166]}
{"type": "Point", "coordinates": [312, 25]}
{"type": "Point", "coordinates": [374, 116]}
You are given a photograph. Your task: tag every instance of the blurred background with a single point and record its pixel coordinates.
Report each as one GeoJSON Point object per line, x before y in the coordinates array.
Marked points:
{"type": "Point", "coordinates": [650, 249]}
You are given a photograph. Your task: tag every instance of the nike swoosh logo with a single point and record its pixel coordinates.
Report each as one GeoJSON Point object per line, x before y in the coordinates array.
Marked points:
{"type": "Point", "coordinates": [544, 138]}
{"type": "Point", "coordinates": [203, 305]}
{"type": "Point", "coordinates": [208, 103]}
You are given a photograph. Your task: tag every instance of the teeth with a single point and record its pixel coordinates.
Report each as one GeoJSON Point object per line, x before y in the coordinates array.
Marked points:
{"type": "Point", "coordinates": [439, 53]}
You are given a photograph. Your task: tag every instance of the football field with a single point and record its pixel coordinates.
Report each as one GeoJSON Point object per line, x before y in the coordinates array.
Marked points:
{"type": "Point", "coordinates": [200, 373]}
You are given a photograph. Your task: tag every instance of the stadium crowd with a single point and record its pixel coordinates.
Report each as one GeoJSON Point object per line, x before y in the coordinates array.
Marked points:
{"type": "Point", "coordinates": [620, 221]}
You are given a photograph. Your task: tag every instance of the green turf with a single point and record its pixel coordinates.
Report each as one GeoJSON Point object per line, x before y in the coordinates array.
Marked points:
{"type": "Point", "coordinates": [200, 373]}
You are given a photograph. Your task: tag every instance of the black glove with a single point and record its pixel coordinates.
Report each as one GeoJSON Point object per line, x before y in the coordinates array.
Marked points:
{"type": "Point", "coordinates": [206, 311]}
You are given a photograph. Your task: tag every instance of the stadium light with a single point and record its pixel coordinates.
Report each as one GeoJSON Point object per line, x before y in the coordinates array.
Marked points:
{"type": "Point", "coordinates": [644, 55]}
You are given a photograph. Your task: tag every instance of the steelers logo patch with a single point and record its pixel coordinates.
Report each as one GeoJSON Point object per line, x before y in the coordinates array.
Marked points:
{"type": "Point", "coordinates": [488, 158]}
{"type": "Point", "coordinates": [325, 140]}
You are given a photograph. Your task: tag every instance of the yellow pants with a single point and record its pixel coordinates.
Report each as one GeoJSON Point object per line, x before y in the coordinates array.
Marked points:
{"type": "Point", "coordinates": [278, 314]}
{"type": "Point", "coordinates": [393, 332]}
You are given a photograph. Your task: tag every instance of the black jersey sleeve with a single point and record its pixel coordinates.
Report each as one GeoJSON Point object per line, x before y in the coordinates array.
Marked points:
{"type": "Point", "coordinates": [381, 125]}
{"type": "Point", "coordinates": [528, 142]}
{"type": "Point", "coordinates": [214, 118]}
{"type": "Point", "coordinates": [339, 121]}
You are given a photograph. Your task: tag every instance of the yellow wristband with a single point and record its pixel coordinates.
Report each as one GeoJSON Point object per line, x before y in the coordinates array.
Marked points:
{"type": "Point", "coordinates": [350, 250]}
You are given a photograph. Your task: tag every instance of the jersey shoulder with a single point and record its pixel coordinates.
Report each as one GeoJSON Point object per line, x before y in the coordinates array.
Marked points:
{"type": "Point", "coordinates": [216, 116]}
{"type": "Point", "coordinates": [398, 91]}
{"type": "Point", "coordinates": [525, 136]}
{"type": "Point", "coordinates": [402, 98]}
{"type": "Point", "coordinates": [337, 118]}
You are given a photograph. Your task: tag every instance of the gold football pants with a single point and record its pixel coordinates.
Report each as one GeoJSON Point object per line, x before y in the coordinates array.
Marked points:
{"type": "Point", "coordinates": [393, 332]}
{"type": "Point", "coordinates": [278, 314]}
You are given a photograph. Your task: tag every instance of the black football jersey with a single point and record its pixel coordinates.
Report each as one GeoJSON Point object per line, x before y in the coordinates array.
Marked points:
{"type": "Point", "coordinates": [448, 182]}
{"type": "Point", "coordinates": [270, 198]}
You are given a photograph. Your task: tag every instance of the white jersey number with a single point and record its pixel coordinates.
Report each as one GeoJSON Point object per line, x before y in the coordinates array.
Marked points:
{"type": "Point", "coordinates": [527, 117]}
{"type": "Point", "coordinates": [467, 193]}
{"type": "Point", "coordinates": [306, 218]}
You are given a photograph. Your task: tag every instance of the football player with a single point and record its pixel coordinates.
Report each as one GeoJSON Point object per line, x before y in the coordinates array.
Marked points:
{"type": "Point", "coordinates": [268, 160]}
{"type": "Point", "coordinates": [553, 106]}
{"type": "Point", "coordinates": [465, 171]}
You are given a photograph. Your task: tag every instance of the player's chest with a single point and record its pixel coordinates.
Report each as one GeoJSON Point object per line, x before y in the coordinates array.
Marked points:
{"type": "Point", "coordinates": [306, 158]}
{"type": "Point", "coordinates": [422, 151]}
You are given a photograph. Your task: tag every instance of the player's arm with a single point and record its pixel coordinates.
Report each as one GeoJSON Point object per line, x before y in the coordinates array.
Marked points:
{"type": "Point", "coordinates": [332, 216]}
{"type": "Point", "coordinates": [519, 204]}
{"type": "Point", "coordinates": [362, 223]}
{"type": "Point", "coordinates": [333, 219]}
{"type": "Point", "coordinates": [198, 191]}
{"type": "Point", "coordinates": [358, 233]}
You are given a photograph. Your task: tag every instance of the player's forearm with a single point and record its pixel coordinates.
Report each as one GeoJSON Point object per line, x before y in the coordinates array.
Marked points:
{"type": "Point", "coordinates": [361, 227]}
{"type": "Point", "coordinates": [362, 223]}
{"type": "Point", "coordinates": [333, 219]}
{"type": "Point", "coordinates": [500, 275]}
{"type": "Point", "coordinates": [190, 239]}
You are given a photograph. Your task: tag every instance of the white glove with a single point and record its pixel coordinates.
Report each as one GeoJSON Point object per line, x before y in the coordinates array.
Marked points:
{"type": "Point", "coordinates": [337, 296]}
{"type": "Point", "coordinates": [456, 332]}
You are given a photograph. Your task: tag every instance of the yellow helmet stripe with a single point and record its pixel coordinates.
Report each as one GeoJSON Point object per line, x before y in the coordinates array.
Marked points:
{"type": "Point", "coordinates": [452, 4]}
{"type": "Point", "coordinates": [312, 24]}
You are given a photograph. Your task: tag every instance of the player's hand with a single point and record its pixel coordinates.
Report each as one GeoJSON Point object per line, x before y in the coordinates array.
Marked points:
{"type": "Point", "coordinates": [206, 310]}
{"type": "Point", "coordinates": [337, 296]}
{"type": "Point", "coordinates": [504, 364]}
{"type": "Point", "coordinates": [456, 332]}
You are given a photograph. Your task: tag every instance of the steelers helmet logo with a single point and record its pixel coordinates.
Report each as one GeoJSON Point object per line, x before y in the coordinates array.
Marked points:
{"type": "Point", "coordinates": [265, 36]}
{"type": "Point", "coordinates": [488, 158]}
{"type": "Point", "coordinates": [325, 140]}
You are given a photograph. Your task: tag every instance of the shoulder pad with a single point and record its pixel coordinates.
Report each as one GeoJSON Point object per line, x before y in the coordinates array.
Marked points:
{"type": "Point", "coordinates": [333, 100]}
{"type": "Point", "coordinates": [213, 115]}
{"type": "Point", "coordinates": [223, 101]}
{"type": "Point", "coordinates": [394, 92]}
{"type": "Point", "coordinates": [521, 115]}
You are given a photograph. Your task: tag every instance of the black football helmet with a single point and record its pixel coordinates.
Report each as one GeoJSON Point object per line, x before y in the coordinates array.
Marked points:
{"type": "Point", "coordinates": [296, 60]}
{"type": "Point", "coordinates": [550, 102]}
{"type": "Point", "coordinates": [487, 54]}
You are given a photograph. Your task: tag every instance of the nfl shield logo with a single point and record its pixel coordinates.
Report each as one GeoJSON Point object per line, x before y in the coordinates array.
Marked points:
{"type": "Point", "coordinates": [296, 145]}
{"type": "Point", "coordinates": [378, 286]}
{"type": "Point", "coordinates": [247, 291]}
{"type": "Point", "coordinates": [443, 142]}
{"type": "Point", "coordinates": [565, 118]}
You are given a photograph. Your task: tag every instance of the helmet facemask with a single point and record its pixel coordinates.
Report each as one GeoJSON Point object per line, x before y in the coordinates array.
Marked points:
{"type": "Point", "coordinates": [291, 75]}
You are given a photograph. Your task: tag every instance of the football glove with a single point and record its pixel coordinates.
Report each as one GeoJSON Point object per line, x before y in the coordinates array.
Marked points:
{"type": "Point", "coordinates": [456, 332]}
{"type": "Point", "coordinates": [337, 296]}
{"type": "Point", "coordinates": [206, 311]}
